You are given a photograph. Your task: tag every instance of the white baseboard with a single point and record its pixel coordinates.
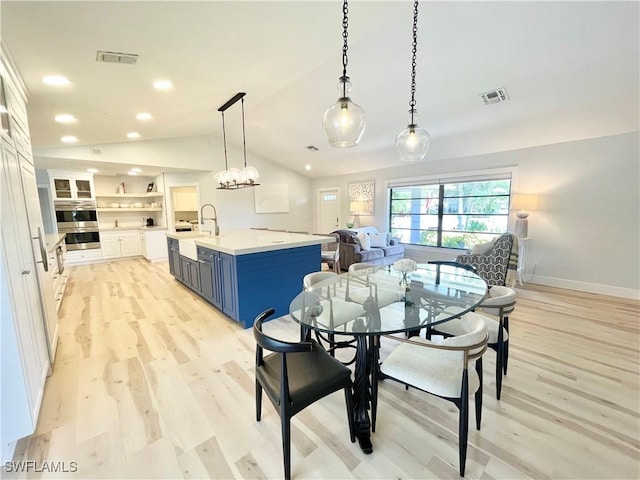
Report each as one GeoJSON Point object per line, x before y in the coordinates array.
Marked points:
{"type": "Point", "coordinates": [586, 287]}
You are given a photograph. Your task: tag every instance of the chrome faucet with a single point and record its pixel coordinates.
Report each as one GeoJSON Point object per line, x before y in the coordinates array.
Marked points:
{"type": "Point", "coordinates": [215, 218]}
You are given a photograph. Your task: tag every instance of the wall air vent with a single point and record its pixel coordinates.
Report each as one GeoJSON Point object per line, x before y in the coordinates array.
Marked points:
{"type": "Point", "coordinates": [116, 57]}
{"type": "Point", "coordinates": [495, 96]}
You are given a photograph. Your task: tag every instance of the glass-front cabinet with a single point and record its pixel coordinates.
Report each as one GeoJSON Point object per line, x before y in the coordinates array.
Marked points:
{"type": "Point", "coordinates": [66, 186]}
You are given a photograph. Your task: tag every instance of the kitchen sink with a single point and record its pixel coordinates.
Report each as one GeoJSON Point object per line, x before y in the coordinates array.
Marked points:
{"type": "Point", "coordinates": [187, 247]}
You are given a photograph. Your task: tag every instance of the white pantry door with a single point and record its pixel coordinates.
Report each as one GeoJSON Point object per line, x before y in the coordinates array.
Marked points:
{"type": "Point", "coordinates": [328, 210]}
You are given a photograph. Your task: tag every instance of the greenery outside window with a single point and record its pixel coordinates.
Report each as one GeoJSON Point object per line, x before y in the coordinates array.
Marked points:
{"type": "Point", "coordinates": [451, 214]}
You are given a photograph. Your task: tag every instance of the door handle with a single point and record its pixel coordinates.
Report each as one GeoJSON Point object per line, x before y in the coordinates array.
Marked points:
{"type": "Point", "coordinates": [43, 253]}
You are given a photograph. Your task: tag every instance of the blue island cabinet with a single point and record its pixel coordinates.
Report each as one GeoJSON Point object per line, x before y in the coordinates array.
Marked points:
{"type": "Point", "coordinates": [242, 286]}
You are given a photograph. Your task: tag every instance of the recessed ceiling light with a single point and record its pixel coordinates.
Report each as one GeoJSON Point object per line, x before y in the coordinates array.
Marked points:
{"type": "Point", "coordinates": [69, 139]}
{"type": "Point", "coordinates": [131, 172]}
{"type": "Point", "coordinates": [56, 80]}
{"type": "Point", "coordinates": [136, 169]}
{"type": "Point", "coordinates": [65, 118]}
{"type": "Point", "coordinates": [307, 167]}
{"type": "Point", "coordinates": [144, 116]}
{"type": "Point", "coordinates": [162, 84]}
{"type": "Point", "coordinates": [92, 170]}
{"type": "Point", "coordinates": [133, 135]}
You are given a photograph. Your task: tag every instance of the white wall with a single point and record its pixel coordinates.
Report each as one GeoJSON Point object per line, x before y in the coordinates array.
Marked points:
{"type": "Point", "coordinates": [585, 234]}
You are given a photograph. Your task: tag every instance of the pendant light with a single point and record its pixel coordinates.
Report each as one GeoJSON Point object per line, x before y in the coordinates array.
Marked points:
{"type": "Point", "coordinates": [413, 142]}
{"type": "Point", "coordinates": [344, 122]}
{"type": "Point", "coordinates": [234, 178]}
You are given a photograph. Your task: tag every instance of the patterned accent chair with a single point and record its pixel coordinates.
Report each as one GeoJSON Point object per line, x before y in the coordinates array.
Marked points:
{"type": "Point", "coordinates": [494, 265]}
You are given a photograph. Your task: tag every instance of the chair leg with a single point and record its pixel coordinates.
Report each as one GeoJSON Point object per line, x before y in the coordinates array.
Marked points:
{"type": "Point", "coordinates": [506, 346]}
{"type": "Point", "coordinates": [478, 397]}
{"type": "Point", "coordinates": [505, 358]}
{"type": "Point", "coordinates": [499, 358]}
{"type": "Point", "coordinates": [258, 401]}
{"type": "Point", "coordinates": [332, 342]}
{"type": "Point", "coordinates": [348, 395]}
{"type": "Point", "coordinates": [286, 445]}
{"type": "Point", "coordinates": [463, 427]}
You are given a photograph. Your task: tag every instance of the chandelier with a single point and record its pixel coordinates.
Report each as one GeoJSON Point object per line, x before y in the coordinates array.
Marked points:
{"type": "Point", "coordinates": [344, 122]}
{"type": "Point", "coordinates": [234, 178]}
{"type": "Point", "coordinates": [413, 142]}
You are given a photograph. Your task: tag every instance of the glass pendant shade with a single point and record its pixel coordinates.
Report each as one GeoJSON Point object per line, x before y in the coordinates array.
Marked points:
{"type": "Point", "coordinates": [344, 121]}
{"type": "Point", "coordinates": [251, 174]}
{"type": "Point", "coordinates": [413, 142]}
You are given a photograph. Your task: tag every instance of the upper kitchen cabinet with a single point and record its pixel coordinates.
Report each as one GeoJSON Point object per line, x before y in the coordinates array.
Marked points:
{"type": "Point", "coordinates": [71, 186]}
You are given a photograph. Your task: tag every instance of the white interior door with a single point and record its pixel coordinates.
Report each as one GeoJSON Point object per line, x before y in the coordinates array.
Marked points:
{"type": "Point", "coordinates": [328, 210]}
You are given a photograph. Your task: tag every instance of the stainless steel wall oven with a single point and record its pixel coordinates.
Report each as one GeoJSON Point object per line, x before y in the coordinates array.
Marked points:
{"type": "Point", "coordinates": [78, 219]}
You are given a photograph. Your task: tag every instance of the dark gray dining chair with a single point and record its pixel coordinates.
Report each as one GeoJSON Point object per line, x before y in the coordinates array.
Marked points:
{"type": "Point", "coordinates": [294, 376]}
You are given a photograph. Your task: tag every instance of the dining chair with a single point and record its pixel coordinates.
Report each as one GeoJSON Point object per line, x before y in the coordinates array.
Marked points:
{"type": "Point", "coordinates": [498, 265]}
{"type": "Point", "coordinates": [498, 304]}
{"type": "Point", "coordinates": [294, 376]}
{"type": "Point", "coordinates": [337, 313]}
{"type": "Point", "coordinates": [441, 369]}
{"type": "Point", "coordinates": [330, 253]}
{"type": "Point", "coordinates": [360, 286]}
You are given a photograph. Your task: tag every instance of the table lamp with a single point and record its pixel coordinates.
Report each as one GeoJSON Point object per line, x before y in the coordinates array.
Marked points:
{"type": "Point", "coordinates": [357, 208]}
{"type": "Point", "coordinates": [523, 204]}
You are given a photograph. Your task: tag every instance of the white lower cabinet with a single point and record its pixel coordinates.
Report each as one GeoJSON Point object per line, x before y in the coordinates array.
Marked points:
{"type": "Point", "coordinates": [123, 243]}
{"type": "Point", "coordinates": [154, 244]}
{"type": "Point", "coordinates": [82, 256]}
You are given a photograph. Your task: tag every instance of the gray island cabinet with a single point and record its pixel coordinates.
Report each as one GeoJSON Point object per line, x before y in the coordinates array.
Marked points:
{"type": "Point", "coordinates": [244, 272]}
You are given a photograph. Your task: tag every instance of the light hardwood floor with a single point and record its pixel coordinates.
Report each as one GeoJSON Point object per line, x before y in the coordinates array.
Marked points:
{"type": "Point", "coordinates": [151, 382]}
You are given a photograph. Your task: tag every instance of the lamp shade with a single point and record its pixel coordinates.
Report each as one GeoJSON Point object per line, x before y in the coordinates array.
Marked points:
{"type": "Point", "coordinates": [526, 202]}
{"type": "Point", "coordinates": [358, 208]}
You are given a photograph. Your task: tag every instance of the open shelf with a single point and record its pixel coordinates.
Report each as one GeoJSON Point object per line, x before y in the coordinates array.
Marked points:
{"type": "Point", "coordinates": [149, 209]}
{"type": "Point", "coordinates": [129, 195]}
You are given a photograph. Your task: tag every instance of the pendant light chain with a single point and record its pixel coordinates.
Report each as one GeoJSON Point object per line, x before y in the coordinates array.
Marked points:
{"type": "Point", "coordinates": [412, 103]}
{"type": "Point", "coordinates": [344, 121]}
{"type": "Point", "coordinates": [413, 142]}
{"type": "Point", "coordinates": [345, 47]}
{"type": "Point", "coordinates": [244, 140]}
{"type": "Point", "coordinates": [224, 141]}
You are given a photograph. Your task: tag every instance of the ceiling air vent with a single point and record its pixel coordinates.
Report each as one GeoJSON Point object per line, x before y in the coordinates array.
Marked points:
{"type": "Point", "coordinates": [495, 96]}
{"type": "Point", "coordinates": [116, 57]}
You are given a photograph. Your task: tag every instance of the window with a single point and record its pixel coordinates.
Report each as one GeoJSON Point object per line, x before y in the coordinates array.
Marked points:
{"type": "Point", "coordinates": [451, 214]}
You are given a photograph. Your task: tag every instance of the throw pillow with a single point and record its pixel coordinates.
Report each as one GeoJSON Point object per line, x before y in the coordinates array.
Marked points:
{"type": "Point", "coordinates": [378, 239]}
{"type": "Point", "coordinates": [365, 242]}
{"type": "Point", "coordinates": [483, 248]}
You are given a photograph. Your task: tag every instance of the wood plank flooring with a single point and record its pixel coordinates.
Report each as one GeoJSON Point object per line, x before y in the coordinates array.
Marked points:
{"type": "Point", "coordinates": [151, 382]}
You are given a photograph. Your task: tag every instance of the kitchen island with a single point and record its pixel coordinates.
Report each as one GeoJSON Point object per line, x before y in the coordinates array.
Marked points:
{"type": "Point", "coordinates": [243, 272]}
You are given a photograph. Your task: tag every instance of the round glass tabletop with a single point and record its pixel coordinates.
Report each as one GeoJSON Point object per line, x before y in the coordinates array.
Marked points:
{"type": "Point", "coordinates": [375, 300]}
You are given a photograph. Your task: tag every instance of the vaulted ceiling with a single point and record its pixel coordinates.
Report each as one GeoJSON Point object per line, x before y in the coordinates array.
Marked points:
{"type": "Point", "coordinates": [570, 68]}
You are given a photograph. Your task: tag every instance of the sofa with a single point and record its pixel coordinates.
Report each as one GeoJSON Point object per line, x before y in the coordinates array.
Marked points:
{"type": "Point", "coordinates": [384, 251]}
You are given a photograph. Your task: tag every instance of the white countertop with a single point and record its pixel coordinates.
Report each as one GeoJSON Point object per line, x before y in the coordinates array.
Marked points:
{"type": "Point", "coordinates": [244, 241]}
{"type": "Point", "coordinates": [53, 240]}
{"type": "Point", "coordinates": [115, 229]}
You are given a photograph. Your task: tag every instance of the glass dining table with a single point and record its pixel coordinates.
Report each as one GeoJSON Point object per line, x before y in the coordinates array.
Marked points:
{"type": "Point", "coordinates": [374, 301]}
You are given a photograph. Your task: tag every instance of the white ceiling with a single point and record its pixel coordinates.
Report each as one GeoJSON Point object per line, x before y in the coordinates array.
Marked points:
{"type": "Point", "coordinates": [571, 70]}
